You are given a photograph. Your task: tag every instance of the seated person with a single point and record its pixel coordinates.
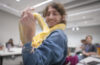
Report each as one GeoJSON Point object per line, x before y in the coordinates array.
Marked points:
{"type": "Point", "coordinates": [10, 43]}
{"type": "Point", "coordinates": [1, 46]}
{"type": "Point", "coordinates": [88, 49]}
{"type": "Point", "coordinates": [81, 48]}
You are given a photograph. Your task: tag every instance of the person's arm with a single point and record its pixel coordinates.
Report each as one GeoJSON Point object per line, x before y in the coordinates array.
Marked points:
{"type": "Point", "coordinates": [91, 52]}
{"type": "Point", "coordinates": [85, 53]}
{"type": "Point", "coordinates": [88, 53]}
{"type": "Point", "coordinates": [51, 51]}
{"type": "Point", "coordinates": [94, 50]}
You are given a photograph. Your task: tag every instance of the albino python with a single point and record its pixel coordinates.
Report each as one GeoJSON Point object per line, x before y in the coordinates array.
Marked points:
{"type": "Point", "coordinates": [38, 39]}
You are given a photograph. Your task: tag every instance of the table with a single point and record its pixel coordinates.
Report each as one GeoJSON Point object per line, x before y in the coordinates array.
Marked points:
{"type": "Point", "coordinates": [12, 52]}
{"type": "Point", "coordinates": [88, 59]}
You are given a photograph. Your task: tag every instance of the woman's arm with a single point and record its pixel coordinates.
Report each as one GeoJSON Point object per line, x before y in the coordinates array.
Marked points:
{"type": "Point", "coordinates": [53, 50]}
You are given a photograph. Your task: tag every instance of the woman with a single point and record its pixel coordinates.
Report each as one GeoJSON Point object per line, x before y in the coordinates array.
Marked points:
{"type": "Point", "coordinates": [10, 43]}
{"type": "Point", "coordinates": [53, 49]}
{"type": "Point", "coordinates": [90, 49]}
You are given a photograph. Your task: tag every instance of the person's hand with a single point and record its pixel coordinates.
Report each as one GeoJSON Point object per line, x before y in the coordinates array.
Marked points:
{"type": "Point", "coordinates": [85, 53]}
{"type": "Point", "coordinates": [28, 22]}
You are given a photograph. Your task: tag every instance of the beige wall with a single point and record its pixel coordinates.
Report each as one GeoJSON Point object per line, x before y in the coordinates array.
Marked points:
{"type": "Point", "coordinates": [8, 27]}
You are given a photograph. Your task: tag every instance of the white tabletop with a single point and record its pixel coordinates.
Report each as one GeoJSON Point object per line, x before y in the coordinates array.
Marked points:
{"type": "Point", "coordinates": [88, 59]}
{"type": "Point", "coordinates": [12, 51]}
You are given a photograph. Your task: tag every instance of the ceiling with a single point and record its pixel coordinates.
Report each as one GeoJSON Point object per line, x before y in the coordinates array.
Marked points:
{"type": "Point", "coordinates": [80, 12]}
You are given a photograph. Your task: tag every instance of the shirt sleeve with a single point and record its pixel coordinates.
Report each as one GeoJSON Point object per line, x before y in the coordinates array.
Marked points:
{"type": "Point", "coordinates": [94, 48]}
{"type": "Point", "coordinates": [51, 51]}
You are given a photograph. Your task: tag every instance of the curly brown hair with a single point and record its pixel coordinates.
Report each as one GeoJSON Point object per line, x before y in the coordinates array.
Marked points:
{"type": "Point", "coordinates": [59, 7]}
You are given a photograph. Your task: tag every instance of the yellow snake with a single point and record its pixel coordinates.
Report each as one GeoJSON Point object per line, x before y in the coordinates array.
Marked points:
{"type": "Point", "coordinates": [38, 39]}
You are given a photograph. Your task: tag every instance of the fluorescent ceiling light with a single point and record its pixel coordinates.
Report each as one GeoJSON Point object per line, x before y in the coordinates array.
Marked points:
{"type": "Point", "coordinates": [18, 0]}
{"type": "Point", "coordinates": [35, 6]}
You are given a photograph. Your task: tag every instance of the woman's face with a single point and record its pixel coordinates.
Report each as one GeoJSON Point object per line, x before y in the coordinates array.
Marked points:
{"type": "Point", "coordinates": [89, 39]}
{"type": "Point", "coordinates": [53, 17]}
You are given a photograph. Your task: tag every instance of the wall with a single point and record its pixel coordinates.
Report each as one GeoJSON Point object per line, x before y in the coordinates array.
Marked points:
{"type": "Point", "coordinates": [8, 27]}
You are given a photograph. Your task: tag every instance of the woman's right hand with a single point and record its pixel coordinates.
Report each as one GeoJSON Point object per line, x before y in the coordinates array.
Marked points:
{"type": "Point", "coordinates": [28, 22]}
